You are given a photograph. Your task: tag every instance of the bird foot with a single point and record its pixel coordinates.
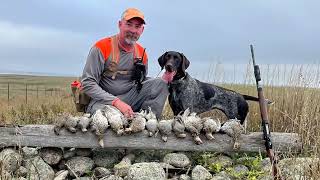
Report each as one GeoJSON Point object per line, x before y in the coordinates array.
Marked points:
{"type": "Point", "coordinates": [164, 138]}
{"type": "Point", "coordinates": [128, 130]}
{"type": "Point", "coordinates": [72, 129]}
{"type": "Point", "coordinates": [101, 143]}
{"type": "Point", "coordinates": [182, 135]}
{"type": "Point", "coordinates": [209, 136]}
{"type": "Point", "coordinates": [197, 140]}
{"type": "Point", "coordinates": [150, 134]}
{"type": "Point", "coordinates": [236, 145]}
{"type": "Point", "coordinates": [120, 132]}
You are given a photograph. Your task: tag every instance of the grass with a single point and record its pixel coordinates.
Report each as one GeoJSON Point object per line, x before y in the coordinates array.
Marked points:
{"type": "Point", "coordinates": [296, 108]}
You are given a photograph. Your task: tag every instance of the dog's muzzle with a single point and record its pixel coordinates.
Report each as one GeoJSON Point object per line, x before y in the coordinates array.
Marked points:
{"type": "Point", "coordinates": [169, 67]}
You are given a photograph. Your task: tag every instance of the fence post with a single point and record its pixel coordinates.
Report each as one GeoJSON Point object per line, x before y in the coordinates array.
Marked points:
{"type": "Point", "coordinates": [37, 92]}
{"type": "Point", "coordinates": [26, 93]}
{"type": "Point", "coordinates": [8, 93]}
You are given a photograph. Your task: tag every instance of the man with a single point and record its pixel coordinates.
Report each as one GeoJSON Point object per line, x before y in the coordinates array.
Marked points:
{"type": "Point", "coordinates": [107, 75]}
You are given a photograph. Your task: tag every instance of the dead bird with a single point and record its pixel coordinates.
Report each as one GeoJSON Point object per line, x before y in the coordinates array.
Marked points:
{"type": "Point", "coordinates": [65, 120]}
{"type": "Point", "coordinates": [211, 125]}
{"type": "Point", "coordinates": [178, 127]}
{"type": "Point", "coordinates": [152, 122]}
{"type": "Point", "coordinates": [115, 118]}
{"type": "Point", "coordinates": [234, 129]}
{"type": "Point", "coordinates": [99, 125]}
{"type": "Point", "coordinates": [165, 128]}
{"type": "Point", "coordinates": [137, 123]}
{"type": "Point", "coordinates": [149, 114]}
{"type": "Point", "coordinates": [84, 122]}
{"type": "Point", "coordinates": [193, 124]}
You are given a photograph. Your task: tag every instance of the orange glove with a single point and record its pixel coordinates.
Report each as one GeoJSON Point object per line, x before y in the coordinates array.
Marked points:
{"type": "Point", "coordinates": [123, 107]}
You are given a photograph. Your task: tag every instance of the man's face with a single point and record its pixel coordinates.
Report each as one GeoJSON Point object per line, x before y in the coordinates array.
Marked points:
{"type": "Point", "coordinates": [130, 30]}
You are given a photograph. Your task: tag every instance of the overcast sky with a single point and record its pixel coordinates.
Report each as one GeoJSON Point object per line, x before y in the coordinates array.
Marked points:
{"type": "Point", "coordinates": [54, 36]}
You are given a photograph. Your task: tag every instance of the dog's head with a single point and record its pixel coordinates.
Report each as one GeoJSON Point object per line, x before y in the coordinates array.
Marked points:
{"type": "Point", "coordinates": [175, 62]}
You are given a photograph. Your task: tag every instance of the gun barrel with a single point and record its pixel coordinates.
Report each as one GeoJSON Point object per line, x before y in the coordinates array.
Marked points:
{"type": "Point", "coordinates": [265, 119]}
{"type": "Point", "coordinates": [252, 55]}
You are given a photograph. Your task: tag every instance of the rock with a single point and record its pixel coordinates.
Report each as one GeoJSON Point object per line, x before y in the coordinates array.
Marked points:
{"type": "Point", "coordinates": [29, 152]}
{"type": "Point", "coordinates": [184, 177]}
{"type": "Point", "coordinates": [62, 165]}
{"type": "Point", "coordinates": [51, 156]}
{"type": "Point", "coordinates": [266, 166]}
{"type": "Point", "coordinates": [266, 177]}
{"type": "Point", "coordinates": [166, 166]}
{"type": "Point", "coordinates": [174, 178]}
{"type": "Point", "coordinates": [86, 152]}
{"type": "Point", "coordinates": [11, 160]}
{"type": "Point", "coordinates": [219, 178]}
{"type": "Point", "coordinates": [220, 175]}
{"type": "Point", "coordinates": [84, 178]}
{"type": "Point", "coordinates": [177, 159]}
{"type": "Point", "coordinates": [61, 175]}
{"type": "Point", "coordinates": [150, 155]}
{"type": "Point", "coordinates": [106, 158]}
{"type": "Point", "coordinates": [79, 165]}
{"type": "Point", "coordinates": [69, 153]}
{"type": "Point", "coordinates": [22, 171]}
{"type": "Point", "coordinates": [38, 169]}
{"type": "Point", "coordinates": [112, 177]}
{"type": "Point", "coordinates": [5, 175]}
{"type": "Point", "coordinates": [121, 169]}
{"type": "Point", "coordinates": [143, 171]}
{"type": "Point", "coordinates": [19, 178]}
{"type": "Point", "coordinates": [239, 171]}
{"type": "Point", "coordinates": [200, 173]}
{"type": "Point", "coordinates": [100, 172]}
{"type": "Point", "coordinates": [298, 168]}
{"type": "Point", "coordinates": [223, 161]}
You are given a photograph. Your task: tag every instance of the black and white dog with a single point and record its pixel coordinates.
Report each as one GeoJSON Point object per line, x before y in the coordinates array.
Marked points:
{"type": "Point", "coordinates": [187, 92]}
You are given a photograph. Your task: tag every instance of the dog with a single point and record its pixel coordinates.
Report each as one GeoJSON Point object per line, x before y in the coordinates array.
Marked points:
{"type": "Point", "coordinates": [187, 92]}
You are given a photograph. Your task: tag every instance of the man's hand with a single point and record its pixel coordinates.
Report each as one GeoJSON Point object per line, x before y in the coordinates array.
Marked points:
{"type": "Point", "coordinates": [123, 107]}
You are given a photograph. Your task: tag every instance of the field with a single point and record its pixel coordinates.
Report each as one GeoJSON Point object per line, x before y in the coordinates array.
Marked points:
{"type": "Point", "coordinates": [295, 108]}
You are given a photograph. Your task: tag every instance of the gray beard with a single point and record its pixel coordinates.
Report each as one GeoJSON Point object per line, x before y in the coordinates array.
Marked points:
{"type": "Point", "coordinates": [130, 41]}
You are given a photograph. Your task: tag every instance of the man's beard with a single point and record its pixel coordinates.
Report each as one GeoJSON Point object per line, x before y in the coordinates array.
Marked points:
{"type": "Point", "coordinates": [131, 38]}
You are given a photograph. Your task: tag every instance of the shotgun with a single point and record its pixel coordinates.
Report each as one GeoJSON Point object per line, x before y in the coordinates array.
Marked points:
{"type": "Point", "coordinates": [265, 121]}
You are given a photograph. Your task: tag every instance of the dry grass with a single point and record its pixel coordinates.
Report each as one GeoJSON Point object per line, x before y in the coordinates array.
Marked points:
{"type": "Point", "coordinates": [296, 107]}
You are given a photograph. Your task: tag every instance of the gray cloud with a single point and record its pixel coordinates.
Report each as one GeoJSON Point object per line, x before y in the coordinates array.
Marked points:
{"type": "Point", "coordinates": [56, 36]}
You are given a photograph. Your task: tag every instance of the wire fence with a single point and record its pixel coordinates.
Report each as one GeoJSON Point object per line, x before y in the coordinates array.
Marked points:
{"type": "Point", "coordinates": [29, 92]}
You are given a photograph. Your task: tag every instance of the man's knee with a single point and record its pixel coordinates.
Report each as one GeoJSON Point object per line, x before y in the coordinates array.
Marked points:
{"type": "Point", "coordinates": [94, 106]}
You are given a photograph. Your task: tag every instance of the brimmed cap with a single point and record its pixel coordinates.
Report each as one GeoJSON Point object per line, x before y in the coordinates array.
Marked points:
{"type": "Point", "coordinates": [132, 13]}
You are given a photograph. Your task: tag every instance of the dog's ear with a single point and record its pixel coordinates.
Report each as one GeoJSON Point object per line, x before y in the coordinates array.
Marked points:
{"type": "Point", "coordinates": [162, 61]}
{"type": "Point", "coordinates": [185, 63]}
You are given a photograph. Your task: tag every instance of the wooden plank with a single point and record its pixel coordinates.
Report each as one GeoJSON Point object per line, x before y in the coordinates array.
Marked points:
{"type": "Point", "coordinates": [44, 136]}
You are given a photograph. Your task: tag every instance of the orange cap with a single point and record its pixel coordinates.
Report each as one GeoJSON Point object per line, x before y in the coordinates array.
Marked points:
{"type": "Point", "coordinates": [132, 13]}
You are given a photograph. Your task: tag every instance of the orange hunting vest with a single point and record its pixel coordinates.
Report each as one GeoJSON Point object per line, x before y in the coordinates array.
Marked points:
{"type": "Point", "coordinates": [109, 47]}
